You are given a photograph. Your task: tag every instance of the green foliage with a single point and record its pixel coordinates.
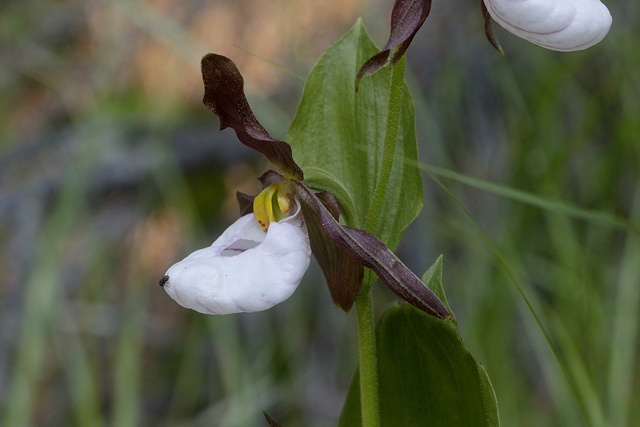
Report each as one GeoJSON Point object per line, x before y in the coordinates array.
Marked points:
{"type": "Point", "coordinates": [339, 133]}
{"type": "Point", "coordinates": [427, 376]}
{"type": "Point", "coordinates": [562, 127]}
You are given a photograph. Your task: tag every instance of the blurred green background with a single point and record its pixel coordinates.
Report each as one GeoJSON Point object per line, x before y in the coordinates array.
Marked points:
{"type": "Point", "coordinates": [111, 170]}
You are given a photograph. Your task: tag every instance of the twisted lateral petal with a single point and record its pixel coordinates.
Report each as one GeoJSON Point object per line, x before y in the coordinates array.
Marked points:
{"type": "Point", "coordinates": [244, 270]}
{"type": "Point", "coordinates": [563, 25]}
{"type": "Point", "coordinates": [369, 251]}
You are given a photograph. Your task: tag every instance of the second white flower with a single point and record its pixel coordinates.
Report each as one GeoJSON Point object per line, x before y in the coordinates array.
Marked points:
{"type": "Point", "coordinates": [563, 25]}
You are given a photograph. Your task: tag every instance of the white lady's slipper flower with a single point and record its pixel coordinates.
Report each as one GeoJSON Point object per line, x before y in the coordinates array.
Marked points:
{"type": "Point", "coordinates": [563, 25]}
{"type": "Point", "coordinates": [245, 269]}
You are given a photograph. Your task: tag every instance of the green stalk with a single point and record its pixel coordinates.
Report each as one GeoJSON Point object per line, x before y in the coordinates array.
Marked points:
{"type": "Point", "coordinates": [369, 395]}
{"type": "Point", "coordinates": [388, 151]}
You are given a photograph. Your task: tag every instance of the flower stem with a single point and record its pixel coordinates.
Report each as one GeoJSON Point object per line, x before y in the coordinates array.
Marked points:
{"type": "Point", "coordinates": [369, 396]}
{"type": "Point", "coordinates": [396, 89]}
{"type": "Point", "coordinates": [370, 405]}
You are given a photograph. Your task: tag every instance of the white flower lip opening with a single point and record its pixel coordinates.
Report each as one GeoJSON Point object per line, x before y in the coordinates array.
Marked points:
{"type": "Point", "coordinates": [562, 25]}
{"type": "Point", "coordinates": [244, 270]}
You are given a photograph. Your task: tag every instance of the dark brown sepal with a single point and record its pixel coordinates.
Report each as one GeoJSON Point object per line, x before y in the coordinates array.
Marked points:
{"type": "Point", "coordinates": [224, 96]}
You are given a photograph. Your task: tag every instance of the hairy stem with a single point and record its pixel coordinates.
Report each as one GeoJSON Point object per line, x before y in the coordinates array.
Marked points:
{"type": "Point", "coordinates": [368, 361]}
{"type": "Point", "coordinates": [369, 395]}
{"type": "Point", "coordinates": [388, 150]}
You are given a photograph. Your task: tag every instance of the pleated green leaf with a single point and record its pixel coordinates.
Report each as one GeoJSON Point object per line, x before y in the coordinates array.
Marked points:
{"type": "Point", "coordinates": [427, 376]}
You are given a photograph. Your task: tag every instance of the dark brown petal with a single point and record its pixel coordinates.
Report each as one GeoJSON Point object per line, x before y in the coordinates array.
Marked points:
{"type": "Point", "coordinates": [245, 202]}
{"type": "Point", "coordinates": [270, 420]}
{"type": "Point", "coordinates": [330, 203]}
{"type": "Point", "coordinates": [369, 251]}
{"type": "Point", "coordinates": [224, 95]}
{"type": "Point", "coordinates": [488, 30]}
{"type": "Point", "coordinates": [342, 272]}
{"type": "Point", "coordinates": [270, 177]}
{"type": "Point", "coordinates": [406, 19]}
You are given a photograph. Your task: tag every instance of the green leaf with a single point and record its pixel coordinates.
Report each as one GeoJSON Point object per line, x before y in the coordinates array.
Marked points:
{"type": "Point", "coordinates": [341, 132]}
{"type": "Point", "coordinates": [427, 376]}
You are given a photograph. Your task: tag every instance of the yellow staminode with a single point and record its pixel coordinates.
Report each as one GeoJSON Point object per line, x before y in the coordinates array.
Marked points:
{"type": "Point", "coordinates": [267, 209]}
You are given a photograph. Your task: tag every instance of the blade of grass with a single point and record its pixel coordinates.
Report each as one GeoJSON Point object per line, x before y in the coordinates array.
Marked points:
{"type": "Point", "coordinates": [129, 360]}
{"type": "Point", "coordinates": [275, 64]}
{"type": "Point", "coordinates": [30, 354]}
{"type": "Point", "coordinates": [82, 379]}
{"type": "Point", "coordinates": [624, 336]}
{"type": "Point", "coordinates": [556, 206]}
{"type": "Point", "coordinates": [604, 219]}
{"type": "Point", "coordinates": [43, 287]}
{"type": "Point", "coordinates": [576, 303]}
{"type": "Point", "coordinates": [163, 28]}
{"type": "Point", "coordinates": [590, 414]}
{"type": "Point", "coordinates": [186, 386]}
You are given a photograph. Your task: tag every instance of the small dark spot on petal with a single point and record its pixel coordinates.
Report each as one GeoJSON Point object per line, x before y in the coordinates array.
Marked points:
{"type": "Point", "coordinates": [164, 280]}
